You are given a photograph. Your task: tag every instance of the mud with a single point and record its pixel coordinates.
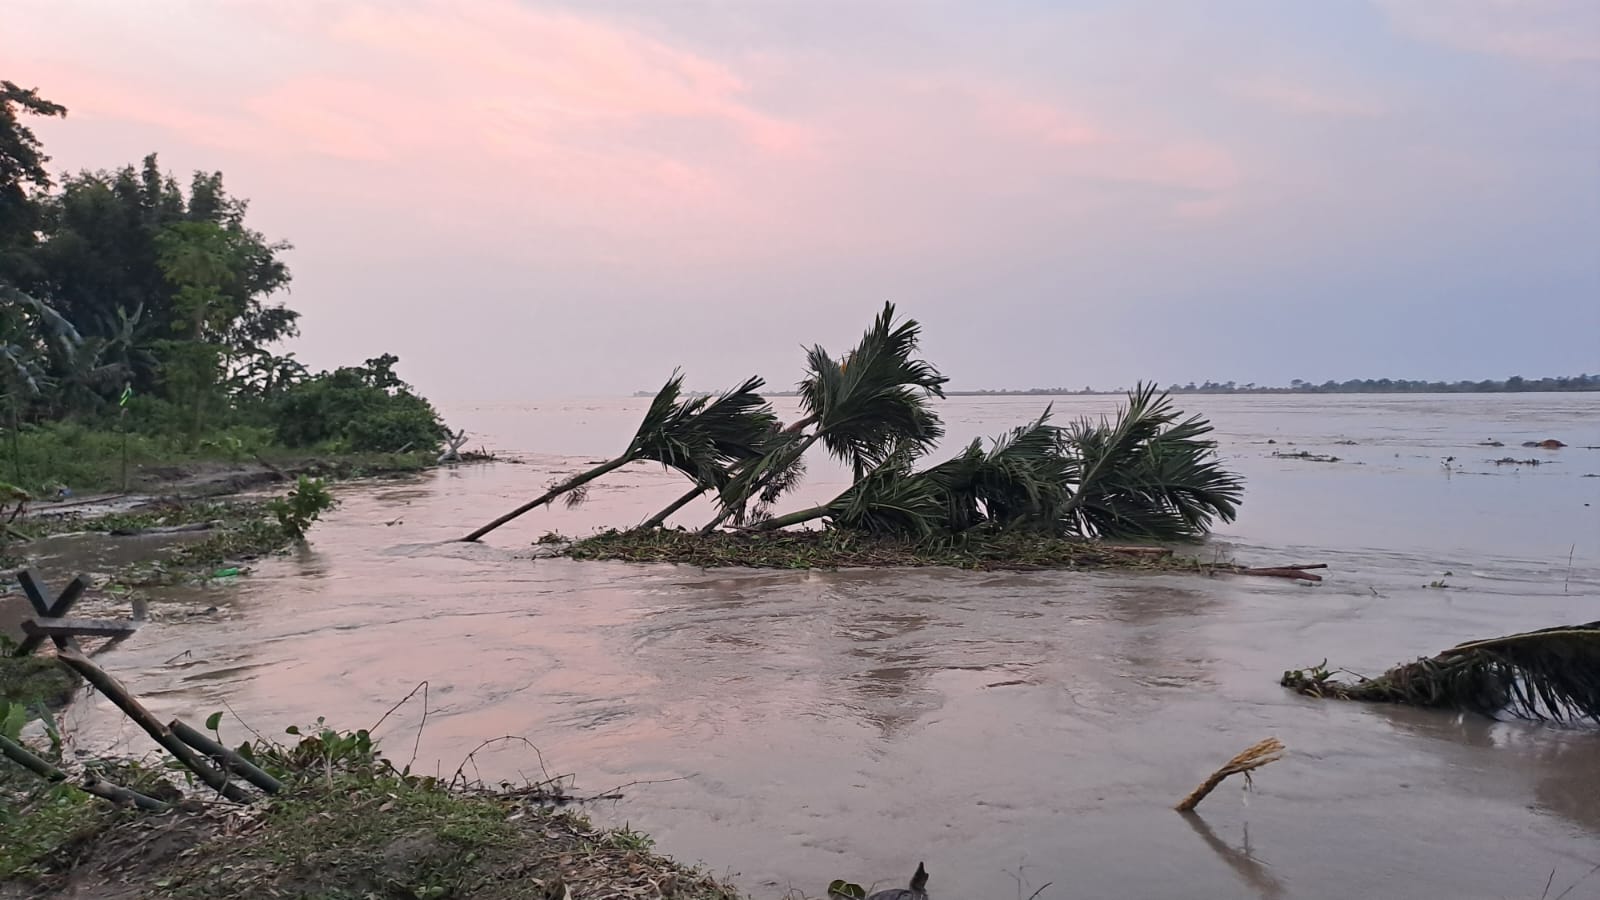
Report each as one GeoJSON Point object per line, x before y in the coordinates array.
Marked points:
{"type": "Point", "coordinates": [1009, 729]}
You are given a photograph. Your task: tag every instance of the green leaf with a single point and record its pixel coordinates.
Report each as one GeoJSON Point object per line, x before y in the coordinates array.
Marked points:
{"type": "Point", "coordinates": [213, 720]}
{"type": "Point", "coordinates": [844, 889]}
{"type": "Point", "coordinates": [292, 729]}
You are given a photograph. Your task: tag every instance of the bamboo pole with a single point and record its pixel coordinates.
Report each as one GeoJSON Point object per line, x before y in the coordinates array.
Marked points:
{"type": "Point", "coordinates": [230, 760]}
{"type": "Point", "coordinates": [91, 784]}
{"type": "Point", "coordinates": [116, 693]}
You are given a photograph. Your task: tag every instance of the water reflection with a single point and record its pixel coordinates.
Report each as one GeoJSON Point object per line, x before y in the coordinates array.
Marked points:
{"type": "Point", "coordinates": [1242, 859]}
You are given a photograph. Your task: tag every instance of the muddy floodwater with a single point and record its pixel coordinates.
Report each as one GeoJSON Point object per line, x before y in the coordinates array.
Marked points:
{"type": "Point", "coordinates": [1011, 730]}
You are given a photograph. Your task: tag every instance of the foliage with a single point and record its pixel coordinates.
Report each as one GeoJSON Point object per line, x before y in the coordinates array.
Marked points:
{"type": "Point", "coordinates": [866, 408]}
{"type": "Point", "coordinates": [124, 284]}
{"type": "Point", "coordinates": [295, 511]}
{"type": "Point", "coordinates": [358, 408]}
{"type": "Point", "coordinates": [1552, 673]}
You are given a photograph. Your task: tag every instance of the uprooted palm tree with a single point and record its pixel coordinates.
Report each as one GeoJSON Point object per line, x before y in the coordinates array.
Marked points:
{"type": "Point", "coordinates": [1147, 475]}
{"type": "Point", "coordinates": [864, 408]}
{"type": "Point", "coordinates": [701, 437]}
{"type": "Point", "coordinates": [1553, 673]}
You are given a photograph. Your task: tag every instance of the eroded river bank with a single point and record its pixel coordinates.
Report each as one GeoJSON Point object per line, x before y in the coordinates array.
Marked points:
{"type": "Point", "coordinates": [801, 726]}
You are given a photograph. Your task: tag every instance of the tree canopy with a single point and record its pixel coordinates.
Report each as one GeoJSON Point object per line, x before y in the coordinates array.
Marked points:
{"type": "Point", "coordinates": [125, 283]}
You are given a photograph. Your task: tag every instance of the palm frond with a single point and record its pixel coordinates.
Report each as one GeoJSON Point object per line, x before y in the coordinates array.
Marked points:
{"type": "Point", "coordinates": [1552, 673]}
{"type": "Point", "coordinates": [1147, 475]}
{"type": "Point", "coordinates": [890, 501]}
{"type": "Point", "coordinates": [1021, 481]}
{"type": "Point", "coordinates": [874, 400]}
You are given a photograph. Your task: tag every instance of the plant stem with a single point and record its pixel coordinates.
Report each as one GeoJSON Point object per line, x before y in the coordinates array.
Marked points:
{"type": "Point", "coordinates": [799, 451]}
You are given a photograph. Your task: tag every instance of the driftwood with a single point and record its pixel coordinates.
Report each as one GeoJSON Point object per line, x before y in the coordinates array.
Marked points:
{"type": "Point", "coordinates": [1254, 757]}
{"type": "Point", "coordinates": [1296, 572]}
{"type": "Point", "coordinates": [230, 760]}
{"type": "Point", "coordinates": [164, 529]}
{"type": "Point", "coordinates": [116, 693]}
{"type": "Point", "coordinates": [47, 627]}
{"type": "Point", "coordinates": [91, 783]}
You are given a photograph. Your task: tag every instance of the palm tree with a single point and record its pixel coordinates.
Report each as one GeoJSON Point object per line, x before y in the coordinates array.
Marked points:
{"type": "Point", "coordinates": [1019, 482]}
{"type": "Point", "coordinates": [700, 437]}
{"type": "Point", "coordinates": [1147, 475]}
{"type": "Point", "coordinates": [863, 408]}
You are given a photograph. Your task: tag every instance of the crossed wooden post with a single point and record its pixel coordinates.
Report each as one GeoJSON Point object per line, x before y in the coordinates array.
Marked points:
{"type": "Point", "coordinates": [50, 617]}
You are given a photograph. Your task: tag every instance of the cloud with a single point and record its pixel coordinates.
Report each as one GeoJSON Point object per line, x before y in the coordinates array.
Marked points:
{"type": "Point", "coordinates": [1301, 99]}
{"type": "Point", "coordinates": [1555, 32]}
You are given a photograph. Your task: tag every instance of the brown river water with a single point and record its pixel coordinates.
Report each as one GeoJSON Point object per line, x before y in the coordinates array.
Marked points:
{"type": "Point", "coordinates": [1011, 730]}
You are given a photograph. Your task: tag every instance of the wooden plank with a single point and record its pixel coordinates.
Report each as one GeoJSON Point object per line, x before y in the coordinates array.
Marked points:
{"type": "Point", "coordinates": [38, 595]}
{"type": "Point", "coordinates": [49, 627]}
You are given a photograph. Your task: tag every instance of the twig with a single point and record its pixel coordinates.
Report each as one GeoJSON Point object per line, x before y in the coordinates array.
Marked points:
{"type": "Point", "coordinates": [1254, 757]}
{"type": "Point", "coordinates": [1035, 894]}
{"type": "Point", "coordinates": [1581, 879]}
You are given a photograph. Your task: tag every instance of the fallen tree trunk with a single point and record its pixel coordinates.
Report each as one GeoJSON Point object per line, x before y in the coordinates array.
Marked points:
{"type": "Point", "coordinates": [116, 693]}
{"type": "Point", "coordinates": [1294, 572]}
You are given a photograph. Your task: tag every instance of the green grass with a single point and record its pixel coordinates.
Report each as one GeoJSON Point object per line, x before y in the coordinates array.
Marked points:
{"type": "Point", "coordinates": [89, 460]}
{"type": "Point", "coordinates": [346, 826]}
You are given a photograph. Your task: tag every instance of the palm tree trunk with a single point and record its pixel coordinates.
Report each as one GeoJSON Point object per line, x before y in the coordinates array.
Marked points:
{"type": "Point", "coordinates": [575, 481]}
{"type": "Point", "coordinates": [756, 488]}
{"type": "Point", "coordinates": [656, 520]}
{"type": "Point", "coordinates": [795, 518]}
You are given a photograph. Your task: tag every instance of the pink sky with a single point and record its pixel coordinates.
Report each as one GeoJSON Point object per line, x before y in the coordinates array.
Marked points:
{"type": "Point", "coordinates": [581, 196]}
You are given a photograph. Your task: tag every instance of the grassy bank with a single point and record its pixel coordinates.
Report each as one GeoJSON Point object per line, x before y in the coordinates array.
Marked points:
{"type": "Point", "coordinates": [346, 825]}
{"type": "Point", "coordinates": [41, 459]}
{"type": "Point", "coordinates": [842, 549]}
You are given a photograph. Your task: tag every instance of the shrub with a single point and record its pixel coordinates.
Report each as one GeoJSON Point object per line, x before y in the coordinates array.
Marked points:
{"type": "Point", "coordinates": [295, 511]}
{"type": "Point", "coordinates": [365, 408]}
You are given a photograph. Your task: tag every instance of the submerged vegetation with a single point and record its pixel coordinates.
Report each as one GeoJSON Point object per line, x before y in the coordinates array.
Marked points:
{"type": "Point", "coordinates": [1148, 474]}
{"type": "Point", "coordinates": [137, 327]}
{"type": "Point", "coordinates": [1552, 673]}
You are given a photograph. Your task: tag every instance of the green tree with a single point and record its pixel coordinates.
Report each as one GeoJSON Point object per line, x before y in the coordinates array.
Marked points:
{"type": "Point", "coordinates": [22, 172]}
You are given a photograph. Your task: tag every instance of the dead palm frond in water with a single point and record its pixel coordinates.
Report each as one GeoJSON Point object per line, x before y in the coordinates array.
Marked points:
{"type": "Point", "coordinates": [864, 408]}
{"type": "Point", "coordinates": [1553, 674]}
{"type": "Point", "coordinates": [1254, 757]}
{"type": "Point", "coordinates": [700, 437]}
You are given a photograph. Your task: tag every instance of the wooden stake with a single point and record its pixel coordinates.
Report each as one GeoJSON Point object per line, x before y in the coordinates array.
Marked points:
{"type": "Point", "coordinates": [228, 759]}
{"type": "Point", "coordinates": [91, 783]}
{"type": "Point", "coordinates": [116, 693]}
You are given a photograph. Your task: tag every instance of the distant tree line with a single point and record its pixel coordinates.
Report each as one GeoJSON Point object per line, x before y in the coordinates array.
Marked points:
{"type": "Point", "coordinates": [1516, 384]}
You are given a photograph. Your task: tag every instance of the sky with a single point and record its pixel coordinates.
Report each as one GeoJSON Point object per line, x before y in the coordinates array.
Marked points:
{"type": "Point", "coordinates": [540, 199]}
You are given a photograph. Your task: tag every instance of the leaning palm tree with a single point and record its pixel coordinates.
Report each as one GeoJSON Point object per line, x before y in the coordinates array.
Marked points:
{"type": "Point", "coordinates": [1552, 673]}
{"type": "Point", "coordinates": [699, 437]}
{"type": "Point", "coordinates": [1020, 481]}
{"type": "Point", "coordinates": [1147, 475]}
{"type": "Point", "coordinates": [863, 408]}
